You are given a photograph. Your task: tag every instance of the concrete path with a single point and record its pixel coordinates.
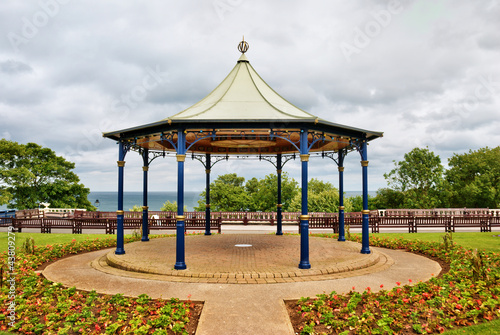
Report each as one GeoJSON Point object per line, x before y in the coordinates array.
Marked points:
{"type": "Point", "coordinates": [238, 308]}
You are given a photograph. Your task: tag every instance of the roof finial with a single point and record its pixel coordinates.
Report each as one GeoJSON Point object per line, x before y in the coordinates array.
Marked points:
{"type": "Point", "coordinates": [243, 46]}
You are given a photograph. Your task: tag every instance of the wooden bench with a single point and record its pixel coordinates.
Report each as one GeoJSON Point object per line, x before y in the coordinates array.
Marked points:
{"type": "Point", "coordinates": [49, 223]}
{"type": "Point", "coordinates": [19, 224]}
{"type": "Point", "coordinates": [323, 222]}
{"type": "Point", "coordinates": [189, 224]}
{"type": "Point", "coordinates": [495, 220]}
{"type": "Point", "coordinates": [107, 224]}
{"type": "Point", "coordinates": [434, 222]}
{"type": "Point", "coordinates": [394, 222]}
{"type": "Point", "coordinates": [472, 221]}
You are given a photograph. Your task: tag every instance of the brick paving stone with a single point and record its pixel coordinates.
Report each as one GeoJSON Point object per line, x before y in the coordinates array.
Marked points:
{"type": "Point", "coordinates": [215, 259]}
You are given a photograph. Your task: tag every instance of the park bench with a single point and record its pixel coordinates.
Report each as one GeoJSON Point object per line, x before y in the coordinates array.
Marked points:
{"type": "Point", "coordinates": [395, 222]}
{"type": "Point", "coordinates": [495, 219]}
{"type": "Point", "coordinates": [440, 221]}
{"type": "Point", "coordinates": [261, 217]}
{"type": "Point", "coordinates": [49, 223]}
{"type": "Point", "coordinates": [94, 223]}
{"type": "Point", "coordinates": [472, 218]}
{"type": "Point", "coordinates": [19, 224]}
{"type": "Point", "coordinates": [227, 217]}
{"type": "Point", "coordinates": [355, 220]}
{"type": "Point", "coordinates": [324, 222]}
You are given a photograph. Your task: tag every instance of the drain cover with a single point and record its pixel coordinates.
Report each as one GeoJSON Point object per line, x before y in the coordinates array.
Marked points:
{"type": "Point", "coordinates": [242, 245]}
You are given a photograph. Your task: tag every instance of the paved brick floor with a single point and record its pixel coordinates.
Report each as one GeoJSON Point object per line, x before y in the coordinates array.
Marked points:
{"type": "Point", "coordinates": [244, 259]}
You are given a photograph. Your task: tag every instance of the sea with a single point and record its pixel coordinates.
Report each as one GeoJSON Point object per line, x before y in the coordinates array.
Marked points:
{"type": "Point", "coordinates": [108, 201]}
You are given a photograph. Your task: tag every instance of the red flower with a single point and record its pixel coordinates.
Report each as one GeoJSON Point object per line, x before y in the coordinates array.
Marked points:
{"type": "Point", "coordinates": [458, 306]}
{"type": "Point", "coordinates": [381, 285]}
{"type": "Point", "coordinates": [398, 283]}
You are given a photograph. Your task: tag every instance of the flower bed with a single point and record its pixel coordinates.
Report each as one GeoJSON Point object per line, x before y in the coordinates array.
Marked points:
{"type": "Point", "coordinates": [467, 294]}
{"type": "Point", "coordinates": [43, 307]}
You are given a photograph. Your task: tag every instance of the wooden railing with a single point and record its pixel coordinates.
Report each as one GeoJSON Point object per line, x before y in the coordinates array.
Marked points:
{"type": "Point", "coordinates": [445, 218]}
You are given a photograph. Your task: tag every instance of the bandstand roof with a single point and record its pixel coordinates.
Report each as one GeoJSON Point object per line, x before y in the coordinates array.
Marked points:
{"type": "Point", "coordinates": [243, 114]}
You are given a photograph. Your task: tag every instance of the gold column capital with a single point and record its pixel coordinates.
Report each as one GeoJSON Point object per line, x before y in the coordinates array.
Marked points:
{"type": "Point", "coordinates": [207, 205]}
{"type": "Point", "coordinates": [365, 211]}
{"type": "Point", "coordinates": [341, 169]}
{"type": "Point", "coordinates": [145, 208]}
{"type": "Point", "coordinates": [180, 218]}
{"type": "Point", "coordinates": [279, 205]}
{"type": "Point", "coordinates": [207, 171]}
{"type": "Point", "coordinates": [278, 171]}
{"type": "Point", "coordinates": [304, 157]}
{"type": "Point", "coordinates": [181, 158]}
{"type": "Point", "coordinates": [304, 217]}
{"type": "Point", "coordinates": [364, 163]}
{"type": "Point", "coordinates": [120, 213]}
{"type": "Point", "coordinates": [341, 208]}
{"type": "Point", "coordinates": [120, 163]}
{"type": "Point", "coordinates": [145, 168]}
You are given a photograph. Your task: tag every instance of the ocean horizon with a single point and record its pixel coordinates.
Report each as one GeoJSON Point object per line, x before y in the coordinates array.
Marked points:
{"type": "Point", "coordinates": [108, 201]}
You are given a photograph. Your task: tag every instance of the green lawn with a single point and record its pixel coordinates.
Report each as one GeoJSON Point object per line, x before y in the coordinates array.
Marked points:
{"type": "Point", "coordinates": [45, 239]}
{"type": "Point", "coordinates": [480, 241]}
{"type": "Point", "coordinates": [489, 328]}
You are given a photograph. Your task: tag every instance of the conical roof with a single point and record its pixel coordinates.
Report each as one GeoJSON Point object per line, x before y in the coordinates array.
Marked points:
{"type": "Point", "coordinates": [243, 95]}
{"type": "Point", "coordinates": [243, 114]}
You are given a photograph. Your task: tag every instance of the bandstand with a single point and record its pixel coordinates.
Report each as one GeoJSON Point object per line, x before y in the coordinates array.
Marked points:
{"type": "Point", "coordinates": [243, 117]}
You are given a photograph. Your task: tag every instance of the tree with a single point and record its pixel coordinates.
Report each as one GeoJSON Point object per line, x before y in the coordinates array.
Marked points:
{"type": "Point", "coordinates": [227, 194]}
{"type": "Point", "coordinates": [419, 177]}
{"type": "Point", "coordinates": [170, 207]}
{"type": "Point", "coordinates": [30, 174]}
{"type": "Point", "coordinates": [356, 203]}
{"type": "Point", "coordinates": [321, 197]}
{"type": "Point", "coordinates": [263, 192]}
{"type": "Point", "coordinates": [388, 198]}
{"type": "Point", "coordinates": [474, 178]}
{"type": "Point", "coordinates": [135, 208]}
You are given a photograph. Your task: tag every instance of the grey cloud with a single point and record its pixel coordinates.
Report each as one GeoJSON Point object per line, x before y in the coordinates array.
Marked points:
{"type": "Point", "coordinates": [13, 67]}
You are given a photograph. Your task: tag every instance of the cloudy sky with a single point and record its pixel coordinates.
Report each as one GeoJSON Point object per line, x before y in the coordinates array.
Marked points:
{"type": "Point", "coordinates": [424, 72]}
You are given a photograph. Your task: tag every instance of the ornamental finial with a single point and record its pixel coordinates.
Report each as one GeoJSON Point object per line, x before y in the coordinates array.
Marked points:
{"type": "Point", "coordinates": [243, 46]}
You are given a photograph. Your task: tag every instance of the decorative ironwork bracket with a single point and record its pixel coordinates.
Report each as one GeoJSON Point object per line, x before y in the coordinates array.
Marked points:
{"type": "Point", "coordinates": [273, 159]}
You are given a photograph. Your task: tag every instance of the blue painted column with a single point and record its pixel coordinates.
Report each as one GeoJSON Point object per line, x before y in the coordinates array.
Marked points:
{"type": "Point", "coordinates": [304, 218]}
{"type": "Point", "coordinates": [120, 250]}
{"type": "Point", "coordinates": [279, 224]}
{"type": "Point", "coordinates": [145, 214]}
{"type": "Point", "coordinates": [365, 239]}
{"type": "Point", "coordinates": [180, 263]}
{"type": "Point", "coordinates": [341, 197]}
{"type": "Point", "coordinates": [207, 196]}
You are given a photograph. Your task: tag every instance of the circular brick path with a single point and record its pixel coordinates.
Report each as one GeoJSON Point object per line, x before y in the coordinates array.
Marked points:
{"type": "Point", "coordinates": [244, 259]}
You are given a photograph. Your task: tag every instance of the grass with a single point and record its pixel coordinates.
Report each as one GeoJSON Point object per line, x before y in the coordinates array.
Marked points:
{"type": "Point", "coordinates": [46, 239]}
{"type": "Point", "coordinates": [480, 241]}
{"type": "Point", "coordinates": [488, 328]}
